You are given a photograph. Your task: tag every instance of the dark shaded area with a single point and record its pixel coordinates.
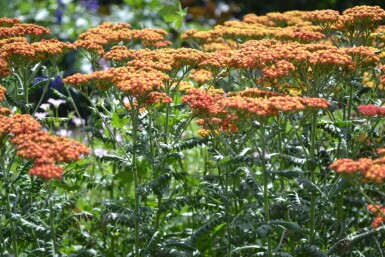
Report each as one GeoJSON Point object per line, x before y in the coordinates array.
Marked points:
{"type": "Point", "coordinates": [262, 7]}
{"type": "Point", "coordinates": [237, 8]}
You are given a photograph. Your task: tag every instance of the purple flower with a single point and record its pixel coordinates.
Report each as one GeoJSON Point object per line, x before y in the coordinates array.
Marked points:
{"type": "Point", "coordinates": [78, 121]}
{"type": "Point", "coordinates": [104, 64]}
{"type": "Point", "coordinates": [58, 81]}
{"type": "Point", "coordinates": [90, 5]}
{"type": "Point", "coordinates": [59, 11]}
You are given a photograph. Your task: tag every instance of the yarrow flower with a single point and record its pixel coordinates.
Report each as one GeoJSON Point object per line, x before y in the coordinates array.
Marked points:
{"type": "Point", "coordinates": [45, 150]}
{"type": "Point", "coordinates": [379, 211]}
{"type": "Point", "coordinates": [371, 170]}
{"type": "Point", "coordinates": [371, 110]}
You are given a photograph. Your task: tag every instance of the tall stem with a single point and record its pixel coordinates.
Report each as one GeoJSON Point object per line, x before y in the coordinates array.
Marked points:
{"type": "Point", "coordinates": [312, 168]}
{"type": "Point", "coordinates": [51, 221]}
{"type": "Point", "coordinates": [265, 184]}
{"type": "Point", "coordinates": [7, 181]}
{"type": "Point", "coordinates": [134, 117]}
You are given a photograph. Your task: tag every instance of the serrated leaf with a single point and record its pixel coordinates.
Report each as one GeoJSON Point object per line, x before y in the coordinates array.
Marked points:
{"type": "Point", "coordinates": [309, 185]}
{"type": "Point", "coordinates": [288, 225]}
{"type": "Point", "coordinates": [169, 12]}
{"type": "Point", "coordinates": [288, 173]}
{"type": "Point", "coordinates": [264, 230]}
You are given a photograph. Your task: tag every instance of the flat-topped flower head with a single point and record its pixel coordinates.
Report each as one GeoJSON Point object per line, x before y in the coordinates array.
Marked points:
{"type": "Point", "coordinates": [140, 82]}
{"type": "Point", "coordinates": [307, 36]}
{"type": "Point", "coordinates": [101, 80]}
{"type": "Point", "coordinates": [8, 22]}
{"type": "Point", "coordinates": [371, 110]}
{"type": "Point", "coordinates": [363, 56]}
{"type": "Point", "coordinates": [315, 102]}
{"type": "Point", "coordinates": [201, 102]}
{"type": "Point", "coordinates": [201, 75]}
{"type": "Point", "coordinates": [255, 92]}
{"type": "Point", "coordinates": [330, 59]}
{"type": "Point", "coordinates": [137, 63]}
{"type": "Point", "coordinates": [157, 98]}
{"type": "Point", "coordinates": [344, 165]}
{"type": "Point", "coordinates": [286, 103]}
{"type": "Point", "coordinates": [122, 53]}
{"type": "Point", "coordinates": [23, 124]}
{"type": "Point", "coordinates": [219, 59]}
{"type": "Point", "coordinates": [375, 173]}
{"type": "Point", "coordinates": [19, 51]}
{"type": "Point", "coordinates": [278, 70]}
{"type": "Point", "coordinates": [90, 46]}
{"type": "Point", "coordinates": [363, 13]}
{"type": "Point", "coordinates": [323, 17]}
{"type": "Point", "coordinates": [46, 171]}
{"type": "Point", "coordinates": [47, 150]}
{"type": "Point", "coordinates": [52, 47]}
{"type": "Point", "coordinates": [150, 37]}
{"type": "Point", "coordinates": [379, 211]}
{"type": "Point", "coordinates": [23, 29]}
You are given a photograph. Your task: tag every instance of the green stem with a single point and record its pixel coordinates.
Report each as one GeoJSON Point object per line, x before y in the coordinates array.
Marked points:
{"type": "Point", "coordinates": [157, 217]}
{"type": "Point", "coordinates": [7, 181]}
{"type": "Point", "coordinates": [134, 117]}
{"type": "Point", "coordinates": [265, 184]}
{"type": "Point", "coordinates": [312, 175]}
{"type": "Point", "coordinates": [13, 230]}
{"type": "Point", "coordinates": [51, 221]}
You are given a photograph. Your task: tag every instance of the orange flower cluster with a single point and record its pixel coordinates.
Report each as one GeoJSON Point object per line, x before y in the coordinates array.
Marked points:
{"type": "Point", "coordinates": [331, 58]}
{"type": "Point", "coordinates": [254, 92]}
{"type": "Point", "coordinates": [363, 14]}
{"type": "Point", "coordinates": [288, 25]}
{"type": "Point", "coordinates": [279, 69]}
{"type": "Point", "coordinates": [102, 79]}
{"type": "Point", "coordinates": [32, 143]}
{"type": "Point", "coordinates": [107, 34]}
{"type": "Point", "coordinates": [371, 110]}
{"type": "Point", "coordinates": [17, 50]}
{"type": "Point", "coordinates": [157, 98]}
{"type": "Point", "coordinates": [379, 211]}
{"type": "Point", "coordinates": [4, 70]}
{"type": "Point", "coordinates": [202, 102]}
{"type": "Point", "coordinates": [226, 112]}
{"type": "Point", "coordinates": [363, 56]}
{"type": "Point", "coordinates": [323, 17]}
{"type": "Point", "coordinates": [140, 82]}
{"type": "Point", "coordinates": [201, 75]}
{"type": "Point", "coordinates": [52, 47]}
{"type": "Point", "coordinates": [161, 59]}
{"type": "Point", "coordinates": [45, 150]}
{"type": "Point", "coordinates": [22, 29]}
{"type": "Point", "coordinates": [134, 81]}
{"type": "Point", "coordinates": [8, 22]}
{"type": "Point", "coordinates": [371, 170]}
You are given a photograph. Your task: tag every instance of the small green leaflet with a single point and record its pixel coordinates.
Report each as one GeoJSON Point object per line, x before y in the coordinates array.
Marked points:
{"type": "Point", "coordinates": [119, 122]}
{"type": "Point", "coordinates": [173, 13]}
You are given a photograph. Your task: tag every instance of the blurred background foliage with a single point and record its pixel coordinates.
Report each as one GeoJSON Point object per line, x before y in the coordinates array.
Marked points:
{"type": "Point", "coordinates": [68, 18]}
